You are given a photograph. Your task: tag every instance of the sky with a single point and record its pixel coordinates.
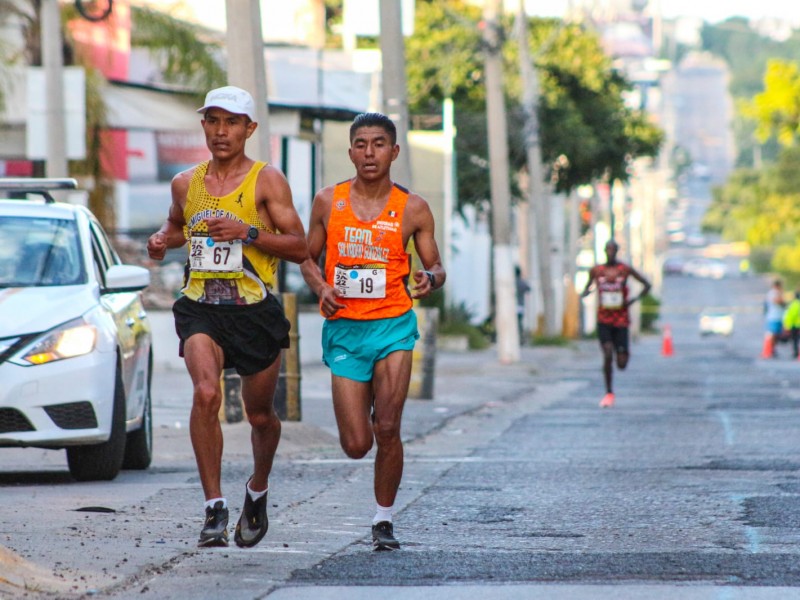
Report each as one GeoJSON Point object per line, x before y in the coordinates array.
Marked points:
{"type": "Point", "coordinates": [710, 10]}
{"type": "Point", "coordinates": [719, 10]}
{"type": "Point", "coordinates": [212, 12]}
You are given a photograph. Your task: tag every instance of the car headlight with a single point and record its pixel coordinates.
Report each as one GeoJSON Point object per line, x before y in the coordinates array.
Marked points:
{"type": "Point", "coordinates": [72, 339]}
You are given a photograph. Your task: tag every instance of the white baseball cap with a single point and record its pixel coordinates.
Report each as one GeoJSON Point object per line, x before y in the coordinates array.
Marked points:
{"type": "Point", "coordinates": [230, 98]}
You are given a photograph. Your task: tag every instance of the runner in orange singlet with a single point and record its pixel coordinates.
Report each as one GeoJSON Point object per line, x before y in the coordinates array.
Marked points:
{"type": "Point", "coordinates": [613, 318]}
{"type": "Point", "coordinates": [363, 226]}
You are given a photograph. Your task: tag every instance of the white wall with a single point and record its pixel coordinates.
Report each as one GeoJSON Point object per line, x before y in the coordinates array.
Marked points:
{"type": "Point", "coordinates": [470, 271]}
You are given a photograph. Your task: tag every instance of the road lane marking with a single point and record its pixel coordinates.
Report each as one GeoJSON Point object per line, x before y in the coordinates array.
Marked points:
{"type": "Point", "coordinates": [727, 427]}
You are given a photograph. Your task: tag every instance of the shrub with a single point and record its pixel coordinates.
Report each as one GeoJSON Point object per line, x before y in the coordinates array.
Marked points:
{"type": "Point", "coordinates": [457, 320]}
{"type": "Point", "coordinates": [650, 312]}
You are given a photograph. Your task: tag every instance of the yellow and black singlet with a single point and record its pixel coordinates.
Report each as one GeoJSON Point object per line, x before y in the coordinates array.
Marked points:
{"type": "Point", "coordinates": [225, 272]}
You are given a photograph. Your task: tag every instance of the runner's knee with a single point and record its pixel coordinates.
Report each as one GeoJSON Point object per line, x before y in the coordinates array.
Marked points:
{"type": "Point", "coordinates": [263, 419]}
{"type": "Point", "coordinates": [386, 431]}
{"type": "Point", "coordinates": [356, 448]}
{"type": "Point", "coordinates": [207, 396]}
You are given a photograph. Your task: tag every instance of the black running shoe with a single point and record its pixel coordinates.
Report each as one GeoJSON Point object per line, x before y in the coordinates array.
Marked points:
{"type": "Point", "coordinates": [383, 537]}
{"type": "Point", "coordinates": [253, 523]}
{"type": "Point", "coordinates": [215, 529]}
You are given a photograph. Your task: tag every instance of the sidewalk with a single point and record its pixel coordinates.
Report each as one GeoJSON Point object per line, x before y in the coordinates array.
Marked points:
{"type": "Point", "coordinates": [463, 382]}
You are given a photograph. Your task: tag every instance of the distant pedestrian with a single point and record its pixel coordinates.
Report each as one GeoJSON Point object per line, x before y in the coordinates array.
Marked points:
{"type": "Point", "coordinates": [791, 323]}
{"type": "Point", "coordinates": [239, 220]}
{"type": "Point", "coordinates": [613, 318]}
{"type": "Point", "coordinates": [522, 289]}
{"type": "Point", "coordinates": [744, 267]}
{"type": "Point", "coordinates": [774, 305]}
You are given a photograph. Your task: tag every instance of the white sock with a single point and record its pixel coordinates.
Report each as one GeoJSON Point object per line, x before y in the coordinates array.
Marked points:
{"type": "Point", "coordinates": [256, 495]}
{"type": "Point", "coordinates": [383, 513]}
{"type": "Point", "coordinates": [213, 501]}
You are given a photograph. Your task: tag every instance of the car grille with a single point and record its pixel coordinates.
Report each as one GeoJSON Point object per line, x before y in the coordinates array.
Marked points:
{"type": "Point", "coordinates": [12, 420]}
{"type": "Point", "coordinates": [74, 415]}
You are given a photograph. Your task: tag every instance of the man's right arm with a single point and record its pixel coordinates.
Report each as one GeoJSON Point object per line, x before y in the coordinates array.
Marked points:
{"type": "Point", "coordinates": [317, 238]}
{"type": "Point", "coordinates": [171, 233]}
{"type": "Point", "coordinates": [588, 283]}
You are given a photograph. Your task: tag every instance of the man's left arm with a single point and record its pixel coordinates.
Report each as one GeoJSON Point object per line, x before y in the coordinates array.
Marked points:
{"type": "Point", "coordinates": [645, 285]}
{"type": "Point", "coordinates": [289, 241]}
{"type": "Point", "coordinates": [432, 275]}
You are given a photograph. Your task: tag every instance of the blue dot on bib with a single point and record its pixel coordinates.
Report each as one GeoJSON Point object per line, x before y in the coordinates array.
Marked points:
{"type": "Point", "coordinates": [209, 241]}
{"type": "Point", "coordinates": [353, 274]}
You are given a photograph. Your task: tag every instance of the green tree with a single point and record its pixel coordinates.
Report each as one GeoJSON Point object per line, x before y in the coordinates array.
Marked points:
{"type": "Point", "coordinates": [761, 206]}
{"type": "Point", "coordinates": [763, 209]}
{"type": "Point", "coordinates": [776, 110]}
{"type": "Point", "coordinates": [747, 52]}
{"type": "Point", "coordinates": [582, 115]}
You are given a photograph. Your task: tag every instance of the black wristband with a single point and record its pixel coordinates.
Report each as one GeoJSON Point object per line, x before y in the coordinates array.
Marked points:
{"type": "Point", "coordinates": [431, 278]}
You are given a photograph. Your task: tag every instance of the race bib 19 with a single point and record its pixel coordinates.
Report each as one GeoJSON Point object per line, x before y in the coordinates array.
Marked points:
{"type": "Point", "coordinates": [360, 281]}
{"type": "Point", "coordinates": [210, 259]}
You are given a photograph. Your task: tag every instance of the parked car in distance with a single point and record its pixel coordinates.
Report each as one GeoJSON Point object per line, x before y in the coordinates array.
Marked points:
{"type": "Point", "coordinates": [715, 322]}
{"type": "Point", "coordinates": [75, 342]}
{"type": "Point", "coordinates": [677, 237]}
{"type": "Point", "coordinates": [695, 239]}
{"type": "Point", "coordinates": [700, 266]}
{"type": "Point", "coordinates": [673, 265]}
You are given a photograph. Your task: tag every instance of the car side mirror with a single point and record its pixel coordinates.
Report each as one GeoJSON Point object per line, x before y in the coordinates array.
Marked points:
{"type": "Point", "coordinates": [126, 278]}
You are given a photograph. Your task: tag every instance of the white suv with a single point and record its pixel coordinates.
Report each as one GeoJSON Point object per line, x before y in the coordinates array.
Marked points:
{"type": "Point", "coordinates": [75, 342]}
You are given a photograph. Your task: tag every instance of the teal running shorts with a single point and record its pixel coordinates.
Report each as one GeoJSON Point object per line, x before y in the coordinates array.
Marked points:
{"type": "Point", "coordinates": [350, 348]}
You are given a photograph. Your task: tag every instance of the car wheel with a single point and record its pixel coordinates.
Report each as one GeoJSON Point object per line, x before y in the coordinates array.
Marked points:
{"type": "Point", "coordinates": [103, 461]}
{"type": "Point", "coordinates": [139, 446]}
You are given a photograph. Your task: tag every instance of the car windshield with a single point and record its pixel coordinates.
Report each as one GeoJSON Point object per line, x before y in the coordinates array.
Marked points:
{"type": "Point", "coordinates": [39, 252]}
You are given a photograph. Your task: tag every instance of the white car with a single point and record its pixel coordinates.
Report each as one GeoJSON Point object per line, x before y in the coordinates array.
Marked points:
{"type": "Point", "coordinates": [75, 342]}
{"type": "Point", "coordinates": [716, 322]}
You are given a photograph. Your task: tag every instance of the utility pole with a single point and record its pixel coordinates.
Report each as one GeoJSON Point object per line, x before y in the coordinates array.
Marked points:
{"type": "Point", "coordinates": [247, 70]}
{"type": "Point", "coordinates": [395, 106]}
{"type": "Point", "coordinates": [246, 67]}
{"type": "Point", "coordinates": [538, 205]}
{"type": "Point", "coordinates": [393, 84]}
{"type": "Point", "coordinates": [505, 310]}
{"type": "Point", "coordinates": [53, 62]}
{"type": "Point", "coordinates": [449, 184]}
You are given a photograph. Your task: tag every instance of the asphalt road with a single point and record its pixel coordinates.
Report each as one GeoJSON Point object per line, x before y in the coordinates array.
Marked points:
{"type": "Point", "coordinates": [517, 485]}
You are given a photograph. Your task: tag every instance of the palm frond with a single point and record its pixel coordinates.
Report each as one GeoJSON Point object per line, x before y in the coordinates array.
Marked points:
{"type": "Point", "coordinates": [188, 55]}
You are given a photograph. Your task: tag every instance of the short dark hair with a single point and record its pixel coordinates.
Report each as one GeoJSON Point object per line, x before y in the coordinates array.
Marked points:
{"type": "Point", "coordinates": [374, 119]}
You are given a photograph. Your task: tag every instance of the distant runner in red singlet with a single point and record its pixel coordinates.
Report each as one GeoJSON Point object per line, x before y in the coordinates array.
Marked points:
{"type": "Point", "coordinates": [363, 227]}
{"type": "Point", "coordinates": [613, 318]}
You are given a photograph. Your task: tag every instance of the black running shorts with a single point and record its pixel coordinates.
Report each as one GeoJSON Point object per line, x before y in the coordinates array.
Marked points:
{"type": "Point", "coordinates": [618, 336]}
{"type": "Point", "coordinates": [251, 336]}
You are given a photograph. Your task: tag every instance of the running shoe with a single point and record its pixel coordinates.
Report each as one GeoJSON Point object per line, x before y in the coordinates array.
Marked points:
{"type": "Point", "coordinates": [215, 529]}
{"type": "Point", "coordinates": [607, 401]}
{"type": "Point", "coordinates": [383, 537]}
{"type": "Point", "coordinates": [253, 523]}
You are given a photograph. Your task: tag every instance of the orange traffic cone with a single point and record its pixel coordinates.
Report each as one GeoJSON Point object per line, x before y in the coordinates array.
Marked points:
{"type": "Point", "coordinates": [768, 351]}
{"type": "Point", "coordinates": [666, 342]}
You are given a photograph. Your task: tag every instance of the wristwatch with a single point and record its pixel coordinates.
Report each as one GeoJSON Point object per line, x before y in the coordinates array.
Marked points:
{"type": "Point", "coordinates": [252, 235]}
{"type": "Point", "coordinates": [431, 278]}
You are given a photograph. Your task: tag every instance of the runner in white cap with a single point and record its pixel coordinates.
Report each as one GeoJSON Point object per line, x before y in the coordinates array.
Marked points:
{"type": "Point", "coordinates": [238, 217]}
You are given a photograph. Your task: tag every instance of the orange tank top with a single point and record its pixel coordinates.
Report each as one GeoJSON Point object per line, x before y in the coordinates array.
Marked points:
{"type": "Point", "coordinates": [367, 261]}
